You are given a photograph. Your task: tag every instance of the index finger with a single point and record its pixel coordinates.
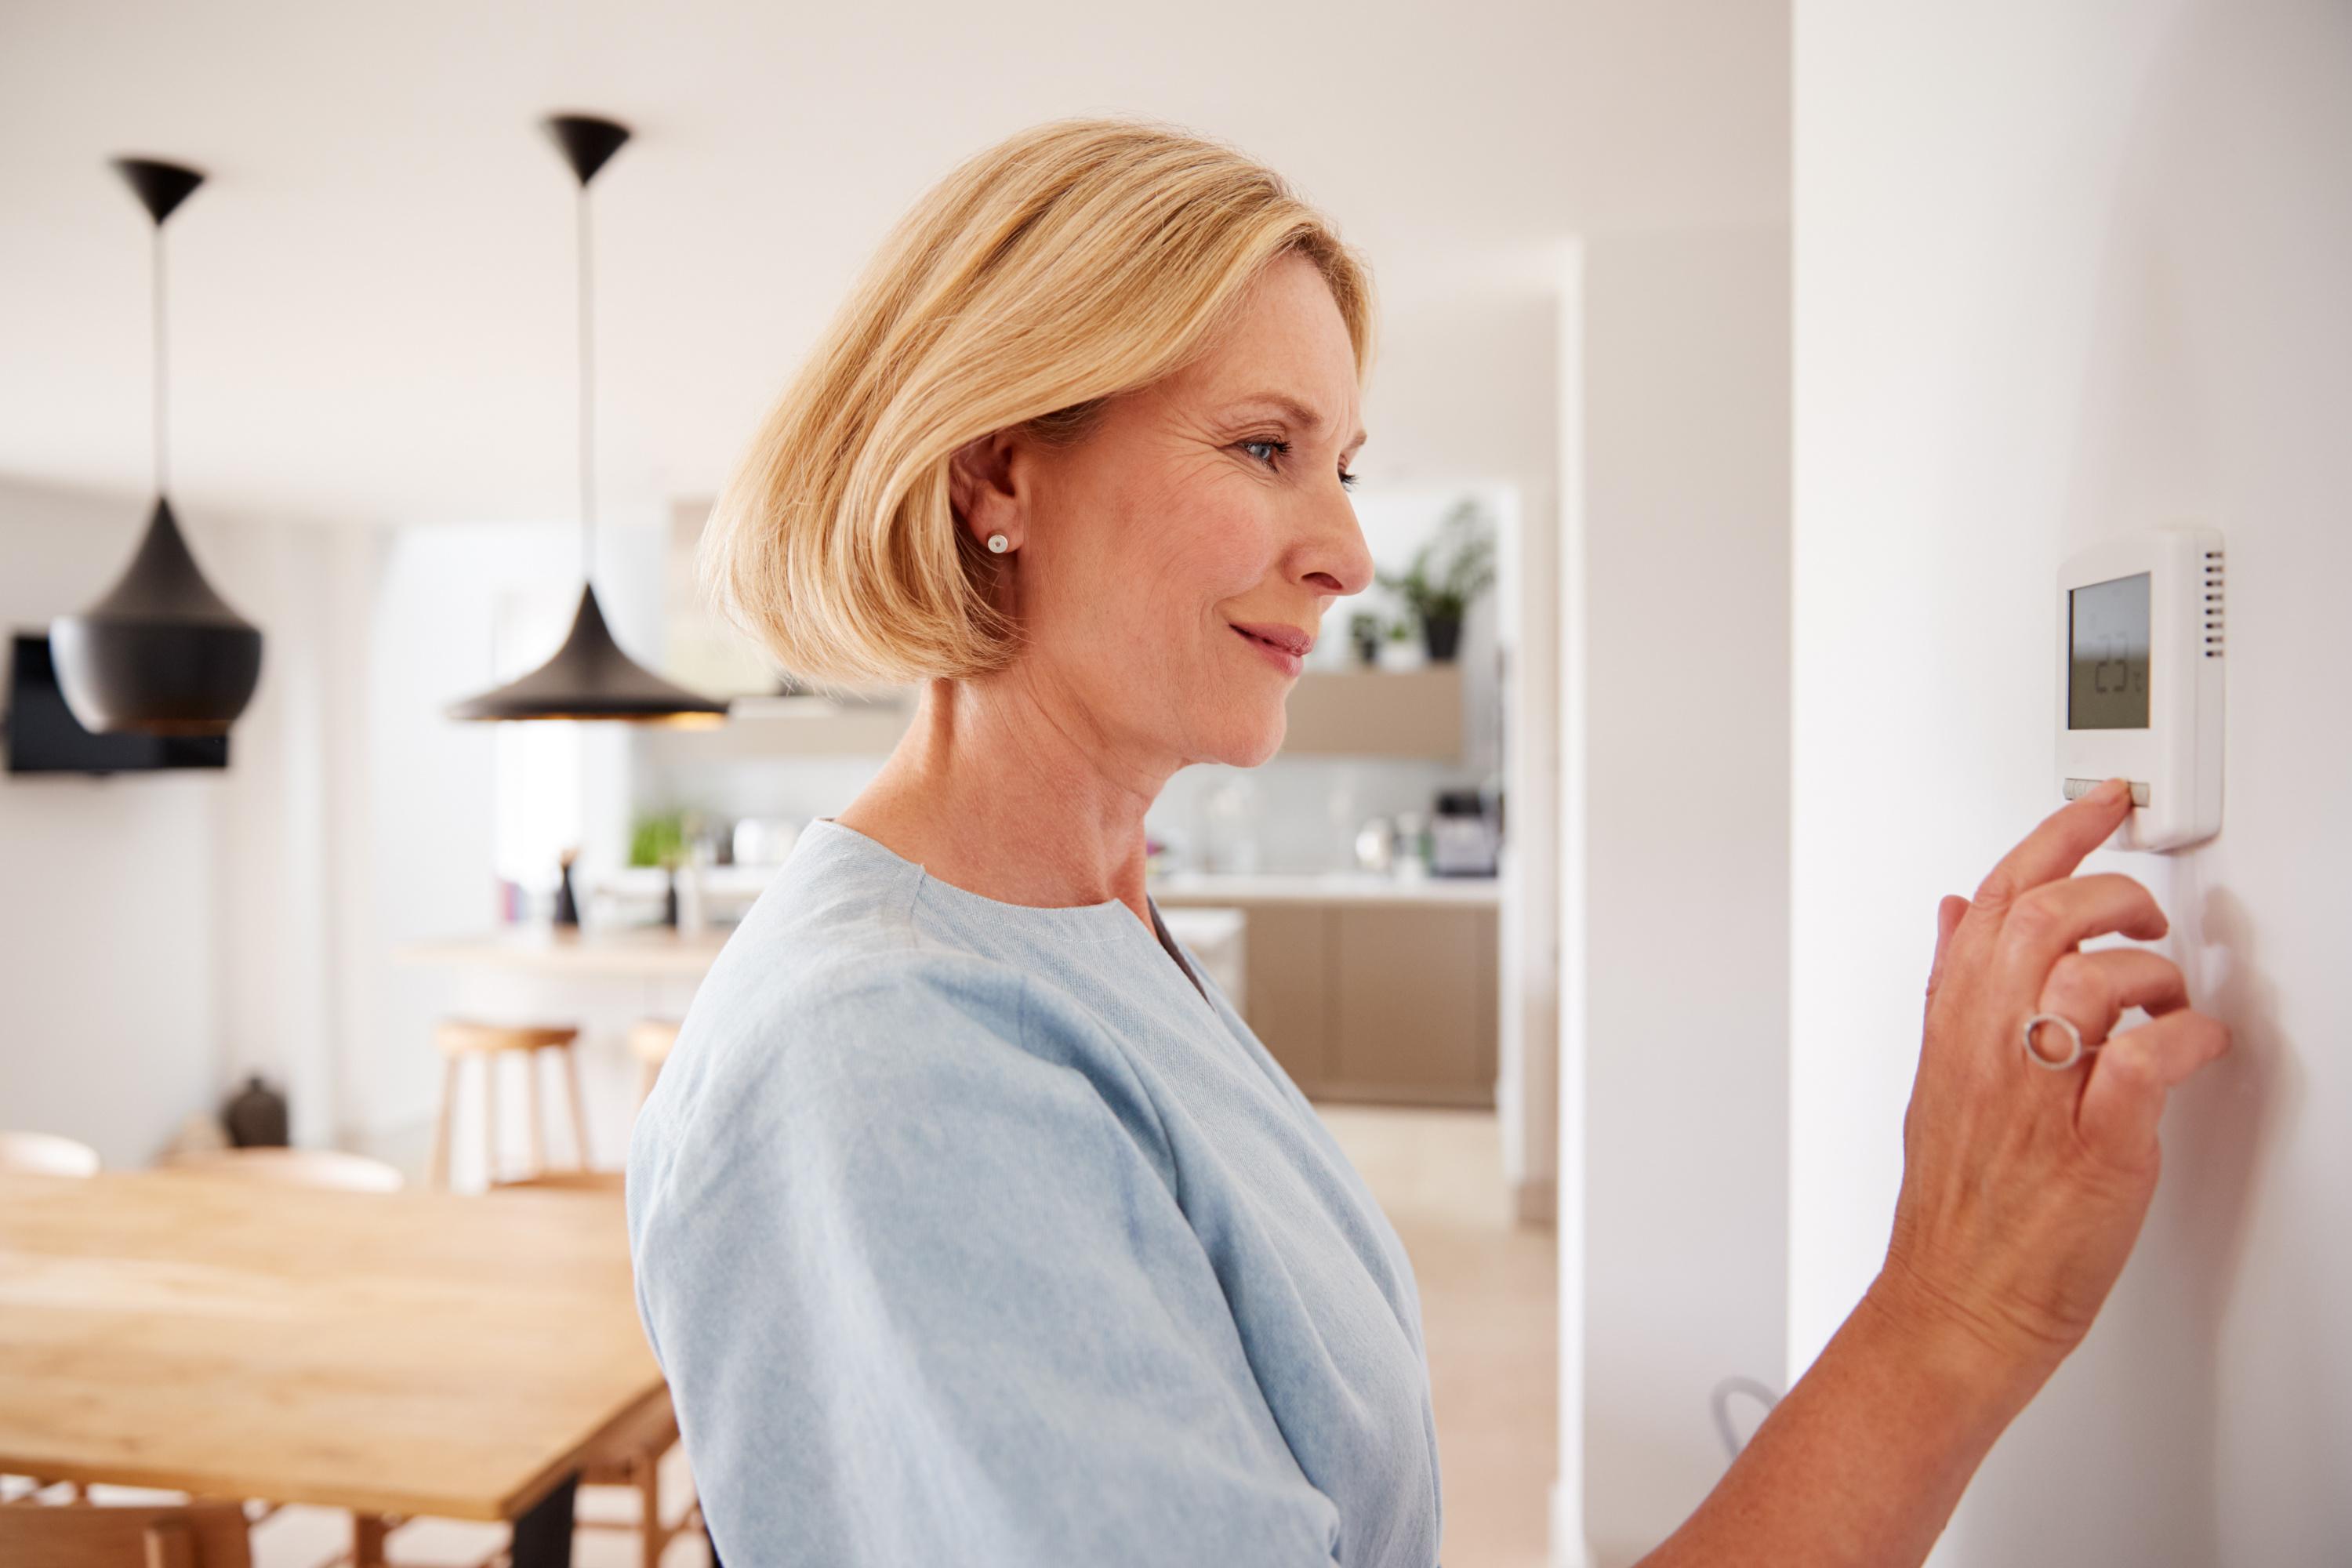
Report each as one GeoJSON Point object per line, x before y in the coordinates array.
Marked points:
{"type": "Point", "coordinates": [2055, 847]}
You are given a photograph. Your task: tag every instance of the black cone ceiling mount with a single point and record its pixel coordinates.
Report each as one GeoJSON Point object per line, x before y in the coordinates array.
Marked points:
{"type": "Point", "coordinates": [589, 677]}
{"type": "Point", "coordinates": [161, 653]}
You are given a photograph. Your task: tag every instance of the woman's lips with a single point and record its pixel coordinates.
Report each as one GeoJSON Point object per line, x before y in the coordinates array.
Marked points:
{"type": "Point", "coordinates": [1283, 645]}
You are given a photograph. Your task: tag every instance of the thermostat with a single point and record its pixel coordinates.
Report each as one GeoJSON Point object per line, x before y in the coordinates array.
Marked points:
{"type": "Point", "coordinates": [2141, 648]}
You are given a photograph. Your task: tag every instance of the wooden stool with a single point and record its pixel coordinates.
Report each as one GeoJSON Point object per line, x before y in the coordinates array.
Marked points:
{"type": "Point", "coordinates": [458, 1039]}
{"type": "Point", "coordinates": [650, 1041]}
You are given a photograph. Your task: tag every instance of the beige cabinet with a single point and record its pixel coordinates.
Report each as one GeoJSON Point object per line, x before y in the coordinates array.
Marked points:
{"type": "Point", "coordinates": [1366, 1000]}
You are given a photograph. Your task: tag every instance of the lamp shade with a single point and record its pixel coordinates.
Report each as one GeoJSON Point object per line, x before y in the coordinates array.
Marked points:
{"type": "Point", "coordinates": [161, 653]}
{"type": "Point", "coordinates": [590, 678]}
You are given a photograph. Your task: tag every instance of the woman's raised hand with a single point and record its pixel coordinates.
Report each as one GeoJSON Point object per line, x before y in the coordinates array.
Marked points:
{"type": "Point", "coordinates": [2023, 1189]}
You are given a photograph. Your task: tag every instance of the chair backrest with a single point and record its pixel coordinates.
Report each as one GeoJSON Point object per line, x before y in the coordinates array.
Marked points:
{"type": "Point", "coordinates": [102, 1535]}
{"type": "Point", "coordinates": [45, 1155]}
{"type": "Point", "coordinates": [295, 1167]}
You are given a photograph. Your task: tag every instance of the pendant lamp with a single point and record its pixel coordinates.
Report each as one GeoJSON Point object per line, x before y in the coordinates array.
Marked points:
{"type": "Point", "coordinates": [161, 653]}
{"type": "Point", "coordinates": [589, 677]}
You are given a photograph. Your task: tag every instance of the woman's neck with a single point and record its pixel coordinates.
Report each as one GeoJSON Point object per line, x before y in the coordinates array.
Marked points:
{"type": "Point", "coordinates": [996, 790]}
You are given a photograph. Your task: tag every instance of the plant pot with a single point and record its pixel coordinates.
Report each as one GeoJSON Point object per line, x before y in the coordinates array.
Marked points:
{"type": "Point", "coordinates": [1442, 638]}
{"type": "Point", "coordinates": [1368, 651]}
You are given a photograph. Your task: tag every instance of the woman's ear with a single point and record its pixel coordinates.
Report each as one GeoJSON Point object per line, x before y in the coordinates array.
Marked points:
{"type": "Point", "coordinates": [987, 491]}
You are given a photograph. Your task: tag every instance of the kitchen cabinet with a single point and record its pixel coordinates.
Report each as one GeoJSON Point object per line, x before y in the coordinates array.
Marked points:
{"type": "Point", "coordinates": [1393, 1000]}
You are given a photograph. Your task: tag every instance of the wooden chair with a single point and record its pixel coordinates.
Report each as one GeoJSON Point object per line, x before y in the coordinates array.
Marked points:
{"type": "Point", "coordinates": [651, 1040]}
{"type": "Point", "coordinates": [460, 1041]}
{"type": "Point", "coordinates": [631, 1455]}
{"type": "Point", "coordinates": [95, 1535]}
{"type": "Point", "coordinates": [45, 1155]}
{"type": "Point", "coordinates": [294, 1167]}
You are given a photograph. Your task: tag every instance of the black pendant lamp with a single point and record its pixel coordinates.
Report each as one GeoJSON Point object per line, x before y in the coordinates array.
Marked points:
{"type": "Point", "coordinates": [589, 677]}
{"type": "Point", "coordinates": [160, 654]}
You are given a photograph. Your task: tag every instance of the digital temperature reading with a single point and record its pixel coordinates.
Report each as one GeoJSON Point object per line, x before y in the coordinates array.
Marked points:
{"type": "Point", "coordinates": [2141, 651]}
{"type": "Point", "coordinates": [2107, 677]}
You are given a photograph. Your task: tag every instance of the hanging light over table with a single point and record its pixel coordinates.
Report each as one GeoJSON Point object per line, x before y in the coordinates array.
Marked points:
{"type": "Point", "coordinates": [161, 653]}
{"type": "Point", "coordinates": [589, 677]}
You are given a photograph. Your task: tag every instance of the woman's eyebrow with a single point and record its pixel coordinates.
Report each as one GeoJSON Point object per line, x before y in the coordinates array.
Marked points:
{"type": "Point", "coordinates": [1303, 414]}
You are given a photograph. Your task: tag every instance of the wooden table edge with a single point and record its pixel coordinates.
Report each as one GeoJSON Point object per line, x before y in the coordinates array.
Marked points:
{"type": "Point", "coordinates": [502, 1510]}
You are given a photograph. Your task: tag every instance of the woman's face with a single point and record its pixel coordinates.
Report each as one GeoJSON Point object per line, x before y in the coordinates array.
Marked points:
{"type": "Point", "coordinates": [1173, 566]}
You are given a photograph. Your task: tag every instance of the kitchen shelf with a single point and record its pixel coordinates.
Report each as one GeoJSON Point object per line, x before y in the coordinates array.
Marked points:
{"type": "Point", "coordinates": [1377, 713]}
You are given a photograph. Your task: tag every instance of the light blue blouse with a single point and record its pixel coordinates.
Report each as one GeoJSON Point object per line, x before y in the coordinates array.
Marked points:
{"type": "Point", "coordinates": [969, 1233]}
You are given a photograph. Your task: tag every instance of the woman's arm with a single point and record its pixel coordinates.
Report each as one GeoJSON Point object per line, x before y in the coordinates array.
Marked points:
{"type": "Point", "coordinates": [2024, 1190]}
{"type": "Point", "coordinates": [1864, 1459]}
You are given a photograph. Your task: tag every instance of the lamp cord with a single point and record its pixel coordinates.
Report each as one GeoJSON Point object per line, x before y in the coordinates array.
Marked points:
{"type": "Point", "coordinates": [162, 472]}
{"type": "Point", "coordinates": [587, 404]}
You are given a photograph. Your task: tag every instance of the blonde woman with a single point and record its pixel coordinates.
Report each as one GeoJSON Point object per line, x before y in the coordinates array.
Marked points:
{"type": "Point", "coordinates": [972, 1225]}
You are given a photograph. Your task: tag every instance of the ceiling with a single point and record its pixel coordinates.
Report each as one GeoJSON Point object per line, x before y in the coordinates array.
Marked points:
{"type": "Point", "coordinates": [372, 298]}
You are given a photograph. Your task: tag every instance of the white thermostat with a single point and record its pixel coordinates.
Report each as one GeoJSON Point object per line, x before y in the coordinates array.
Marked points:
{"type": "Point", "coordinates": [2140, 657]}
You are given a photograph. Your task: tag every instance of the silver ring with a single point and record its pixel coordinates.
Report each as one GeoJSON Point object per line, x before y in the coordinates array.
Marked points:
{"type": "Point", "coordinates": [2073, 1034]}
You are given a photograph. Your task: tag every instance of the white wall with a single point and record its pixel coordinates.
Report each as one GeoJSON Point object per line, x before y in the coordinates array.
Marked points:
{"type": "Point", "coordinates": [2064, 272]}
{"type": "Point", "coordinates": [1671, 566]}
{"type": "Point", "coordinates": [1679, 776]}
{"type": "Point", "coordinates": [152, 926]}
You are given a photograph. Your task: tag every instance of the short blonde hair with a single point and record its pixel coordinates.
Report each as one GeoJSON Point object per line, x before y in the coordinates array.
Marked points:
{"type": "Point", "coordinates": [1076, 261]}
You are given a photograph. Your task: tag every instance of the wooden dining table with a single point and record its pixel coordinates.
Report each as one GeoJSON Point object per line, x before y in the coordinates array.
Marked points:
{"type": "Point", "coordinates": [391, 1353]}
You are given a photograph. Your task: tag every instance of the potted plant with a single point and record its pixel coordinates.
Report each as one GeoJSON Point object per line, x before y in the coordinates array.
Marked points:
{"type": "Point", "coordinates": [1447, 573]}
{"type": "Point", "coordinates": [1364, 631]}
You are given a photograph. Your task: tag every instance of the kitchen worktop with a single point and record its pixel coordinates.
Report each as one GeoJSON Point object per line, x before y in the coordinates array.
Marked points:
{"type": "Point", "coordinates": [1194, 887]}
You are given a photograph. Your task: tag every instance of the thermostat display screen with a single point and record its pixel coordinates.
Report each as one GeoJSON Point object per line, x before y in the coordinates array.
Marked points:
{"type": "Point", "coordinates": [2107, 668]}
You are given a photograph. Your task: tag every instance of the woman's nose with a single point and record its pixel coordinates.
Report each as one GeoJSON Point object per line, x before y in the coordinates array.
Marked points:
{"type": "Point", "coordinates": [1337, 560]}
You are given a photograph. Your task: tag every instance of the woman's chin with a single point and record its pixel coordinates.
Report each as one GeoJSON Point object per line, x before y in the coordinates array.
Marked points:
{"type": "Point", "coordinates": [1245, 745]}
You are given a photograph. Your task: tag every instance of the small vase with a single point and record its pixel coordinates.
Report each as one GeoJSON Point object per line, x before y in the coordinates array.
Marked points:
{"type": "Point", "coordinates": [255, 1117]}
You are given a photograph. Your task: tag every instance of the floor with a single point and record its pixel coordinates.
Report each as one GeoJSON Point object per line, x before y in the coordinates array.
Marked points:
{"type": "Point", "coordinates": [1487, 1289]}
{"type": "Point", "coordinates": [1489, 1320]}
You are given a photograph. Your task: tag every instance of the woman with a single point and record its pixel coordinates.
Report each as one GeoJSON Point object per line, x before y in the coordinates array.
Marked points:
{"type": "Point", "coordinates": [973, 1225]}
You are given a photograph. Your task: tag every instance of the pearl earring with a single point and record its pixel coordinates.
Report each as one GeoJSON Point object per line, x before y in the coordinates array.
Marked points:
{"type": "Point", "coordinates": [998, 544]}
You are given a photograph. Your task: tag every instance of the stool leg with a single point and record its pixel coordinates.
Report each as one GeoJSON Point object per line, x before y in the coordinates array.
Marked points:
{"type": "Point", "coordinates": [437, 1173]}
{"type": "Point", "coordinates": [537, 1133]}
{"type": "Point", "coordinates": [490, 1119]}
{"type": "Point", "coordinates": [579, 1108]}
{"type": "Point", "coordinates": [653, 1536]}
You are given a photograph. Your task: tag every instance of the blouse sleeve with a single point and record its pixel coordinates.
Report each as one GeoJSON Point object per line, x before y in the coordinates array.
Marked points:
{"type": "Point", "coordinates": [924, 1296]}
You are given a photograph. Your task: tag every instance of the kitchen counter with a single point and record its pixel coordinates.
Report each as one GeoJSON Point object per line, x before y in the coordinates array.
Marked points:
{"type": "Point", "coordinates": [626, 953]}
{"type": "Point", "coordinates": [1352, 888]}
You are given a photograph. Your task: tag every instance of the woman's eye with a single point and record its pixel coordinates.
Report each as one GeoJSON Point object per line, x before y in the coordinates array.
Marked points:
{"type": "Point", "coordinates": [1275, 449]}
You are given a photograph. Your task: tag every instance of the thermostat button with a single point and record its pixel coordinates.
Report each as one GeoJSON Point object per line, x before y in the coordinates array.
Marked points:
{"type": "Point", "coordinates": [2075, 789]}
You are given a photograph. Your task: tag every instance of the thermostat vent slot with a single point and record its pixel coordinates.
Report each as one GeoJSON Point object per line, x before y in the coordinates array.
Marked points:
{"type": "Point", "coordinates": [2215, 604]}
